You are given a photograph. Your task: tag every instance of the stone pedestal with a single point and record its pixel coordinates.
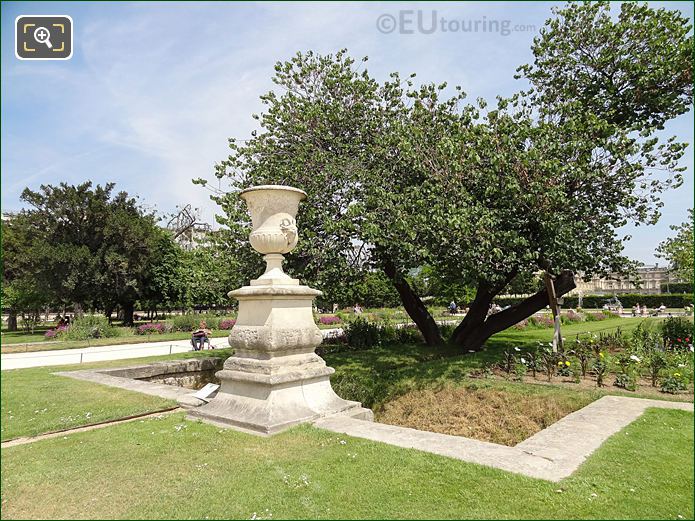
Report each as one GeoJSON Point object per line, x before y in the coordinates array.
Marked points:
{"type": "Point", "coordinates": [274, 379]}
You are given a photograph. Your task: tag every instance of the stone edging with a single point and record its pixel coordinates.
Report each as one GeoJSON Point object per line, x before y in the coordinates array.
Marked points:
{"type": "Point", "coordinates": [552, 454]}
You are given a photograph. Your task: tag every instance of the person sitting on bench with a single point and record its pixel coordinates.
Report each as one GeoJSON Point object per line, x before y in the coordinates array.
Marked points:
{"type": "Point", "coordinates": [200, 336]}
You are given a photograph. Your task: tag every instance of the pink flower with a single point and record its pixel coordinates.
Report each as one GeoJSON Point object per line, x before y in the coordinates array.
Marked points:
{"type": "Point", "coordinates": [227, 323]}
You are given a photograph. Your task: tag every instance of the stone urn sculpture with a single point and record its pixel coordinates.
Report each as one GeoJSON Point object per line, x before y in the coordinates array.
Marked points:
{"type": "Point", "coordinates": [274, 379]}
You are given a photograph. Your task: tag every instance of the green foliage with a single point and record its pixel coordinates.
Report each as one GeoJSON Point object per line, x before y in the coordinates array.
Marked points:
{"type": "Point", "coordinates": [362, 334]}
{"type": "Point", "coordinates": [678, 251]}
{"type": "Point", "coordinates": [633, 70]}
{"type": "Point", "coordinates": [191, 321]}
{"type": "Point", "coordinates": [367, 288]}
{"type": "Point", "coordinates": [540, 181]}
{"type": "Point", "coordinates": [677, 287]}
{"type": "Point", "coordinates": [628, 371]}
{"type": "Point", "coordinates": [442, 288]}
{"type": "Point", "coordinates": [91, 326]}
{"type": "Point", "coordinates": [87, 247]}
{"type": "Point", "coordinates": [206, 275]}
{"type": "Point", "coordinates": [600, 368]}
{"type": "Point", "coordinates": [655, 361]}
{"type": "Point", "coordinates": [547, 360]}
{"type": "Point", "coordinates": [674, 382]}
{"type": "Point", "coordinates": [677, 332]}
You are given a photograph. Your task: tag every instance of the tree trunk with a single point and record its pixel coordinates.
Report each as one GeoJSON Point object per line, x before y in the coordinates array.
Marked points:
{"type": "Point", "coordinates": [108, 312]}
{"type": "Point", "coordinates": [414, 306]}
{"type": "Point", "coordinates": [12, 320]}
{"type": "Point", "coordinates": [477, 313]}
{"type": "Point", "coordinates": [128, 310]}
{"type": "Point", "coordinates": [476, 335]}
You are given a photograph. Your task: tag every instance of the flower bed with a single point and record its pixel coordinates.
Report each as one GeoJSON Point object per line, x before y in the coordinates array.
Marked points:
{"type": "Point", "coordinates": [150, 329]}
{"type": "Point", "coordinates": [227, 324]}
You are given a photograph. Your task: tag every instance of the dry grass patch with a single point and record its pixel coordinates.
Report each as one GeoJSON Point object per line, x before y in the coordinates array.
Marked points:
{"type": "Point", "coordinates": [487, 414]}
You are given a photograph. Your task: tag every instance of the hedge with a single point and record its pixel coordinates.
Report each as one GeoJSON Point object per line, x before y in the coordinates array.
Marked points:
{"type": "Point", "coordinates": [670, 300]}
{"type": "Point", "coordinates": [677, 287]}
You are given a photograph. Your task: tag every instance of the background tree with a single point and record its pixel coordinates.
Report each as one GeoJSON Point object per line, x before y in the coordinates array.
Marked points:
{"type": "Point", "coordinates": [86, 247]}
{"type": "Point", "coordinates": [21, 295]}
{"type": "Point", "coordinates": [207, 275]}
{"type": "Point", "coordinates": [678, 250]}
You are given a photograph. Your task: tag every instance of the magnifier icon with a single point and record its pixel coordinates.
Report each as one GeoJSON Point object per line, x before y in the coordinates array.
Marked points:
{"type": "Point", "coordinates": [43, 35]}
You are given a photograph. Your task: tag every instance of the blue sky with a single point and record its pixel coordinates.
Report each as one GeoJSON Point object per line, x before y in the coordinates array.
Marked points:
{"type": "Point", "coordinates": [154, 90]}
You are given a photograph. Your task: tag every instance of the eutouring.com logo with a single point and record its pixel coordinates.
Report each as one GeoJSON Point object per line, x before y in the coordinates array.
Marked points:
{"type": "Point", "coordinates": [429, 22]}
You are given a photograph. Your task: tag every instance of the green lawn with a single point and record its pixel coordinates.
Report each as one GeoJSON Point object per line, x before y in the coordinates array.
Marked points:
{"type": "Point", "coordinates": [373, 377]}
{"type": "Point", "coordinates": [35, 401]}
{"type": "Point", "coordinates": [21, 336]}
{"type": "Point", "coordinates": [172, 468]}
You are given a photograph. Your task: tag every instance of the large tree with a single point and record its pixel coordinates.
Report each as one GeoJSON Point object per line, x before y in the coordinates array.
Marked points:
{"type": "Point", "coordinates": [87, 247]}
{"type": "Point", "coordinates": [540, 181]}
{"type": "Point", "coordinates": [21, 294]}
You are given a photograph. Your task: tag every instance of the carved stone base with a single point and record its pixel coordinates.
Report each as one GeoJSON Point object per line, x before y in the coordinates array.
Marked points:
{"type": "Point", "coordinates": [268, 408]}
{"type": "Point", "coordinates": [275, 380]}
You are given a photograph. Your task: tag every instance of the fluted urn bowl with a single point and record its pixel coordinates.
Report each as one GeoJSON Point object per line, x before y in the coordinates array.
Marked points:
{"type": "Point", "coordinates": [273, 210]}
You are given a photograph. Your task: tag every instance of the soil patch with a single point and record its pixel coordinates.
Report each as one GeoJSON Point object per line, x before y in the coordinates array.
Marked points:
{"type": "Point", "coordinates": [485, 414]}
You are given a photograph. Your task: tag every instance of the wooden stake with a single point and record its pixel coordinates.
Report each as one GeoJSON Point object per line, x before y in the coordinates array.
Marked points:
{"type": "Point", "coordinates": [555, 308]}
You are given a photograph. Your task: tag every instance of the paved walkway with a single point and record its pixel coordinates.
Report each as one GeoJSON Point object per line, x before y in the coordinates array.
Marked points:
{"type": "Point", "coordinates": [552, 454]}
{"type": "Point", "coordinates": [113, 352]}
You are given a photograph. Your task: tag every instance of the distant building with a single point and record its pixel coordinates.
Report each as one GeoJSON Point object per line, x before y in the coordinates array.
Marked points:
{"type": "Point", "coordinates": [649, 281]}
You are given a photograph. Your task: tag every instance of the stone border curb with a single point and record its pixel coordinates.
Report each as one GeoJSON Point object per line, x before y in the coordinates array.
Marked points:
{"type": "Point", "coordinates": [551, 454]}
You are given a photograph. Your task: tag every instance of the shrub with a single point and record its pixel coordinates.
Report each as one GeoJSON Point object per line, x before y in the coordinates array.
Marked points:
{"type": "Point", "coordinates": [656, 361]}
{"type": "Point", "coordinates": [595, 317]}
{"type": "Point", "coordinates": [149, 329]}
{"type": "Point", "coordinates": [90, 326]}
{"type": "Point", "coordinates": [677, 332]}
{"type": "Point", "coordinates": [573, 316]}
{"type": "Point", "coordinates": [226, 324]}
{"type": "Point", "coordinates": [583, 351]}
{"type": "Point", "coordinates": [361, 334]}
{"type": "Point", "coordinates": [185, 322]}
{"type": "Point", "coordinates": [546, 360]}
{"type": "Point", "coordinates": [600, 368]}
{"type": "Point", "coordinates": [541, 321]}
{"type": "Point", "coordinates": [408, 335]}
{"type": "Point", "coordinates": [329, 320]}
{"type": "Point", "coordinates": [674, 382]}
{"type": "Point", "coordinates": [446, 330]}
{"type": "Point", "coordinates": [626, 377]}
{"type": "Point", "coordinates": [191, 321]}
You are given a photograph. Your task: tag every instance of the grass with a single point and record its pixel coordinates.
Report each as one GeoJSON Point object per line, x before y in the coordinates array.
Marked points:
{"type": "Point", "coordinates": [373, 377]}
{"type": "Point", "coordinates": [170, 468]}
{"type": "Point", "coordinates": [173, 468]}
{"type": "Point", "coordinates": [531, 335]}
{"type": "Point", "coordinates": [35, 401]}
{"type": "Point", "coordinates": [21, 336]}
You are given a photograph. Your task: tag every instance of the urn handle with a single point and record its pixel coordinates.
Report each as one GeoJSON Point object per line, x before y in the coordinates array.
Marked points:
{"type": "Point", "coordinates": [289, 229]}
